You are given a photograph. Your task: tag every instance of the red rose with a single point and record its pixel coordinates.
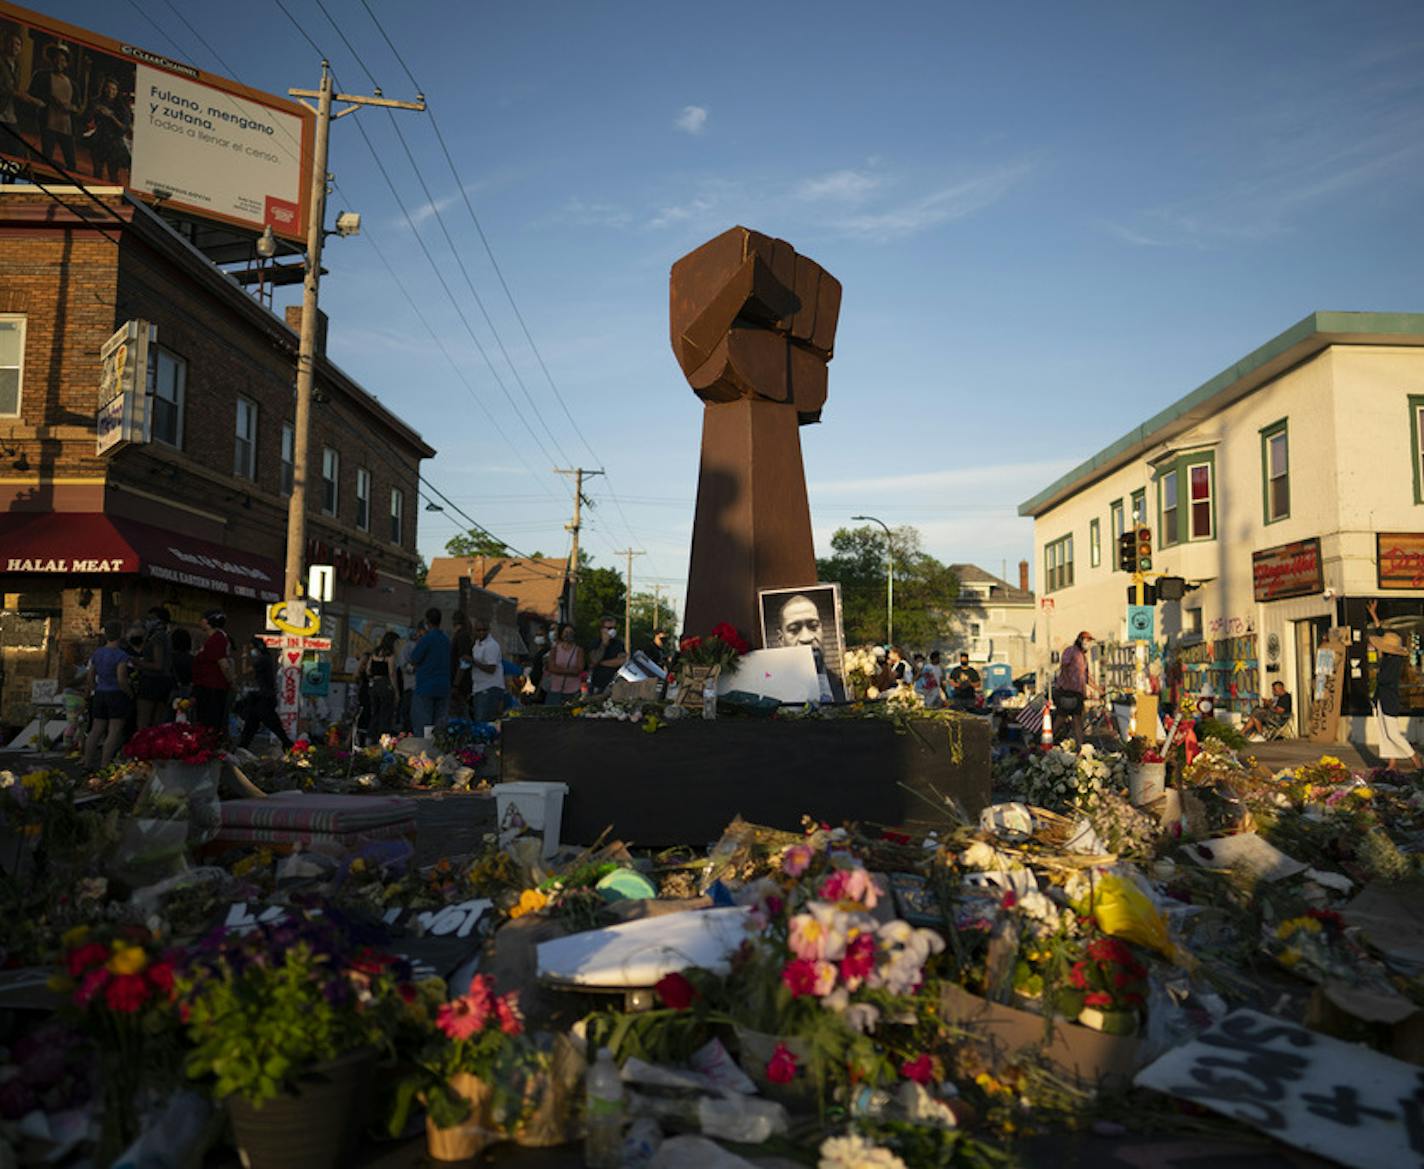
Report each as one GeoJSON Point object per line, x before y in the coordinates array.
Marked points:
{"type": "Point", "coordinates": [83, 957]}
{"type": "Point", "coordinates": [161, 975]}
{"type": "Point", "coordinates": [127, 993]}
{"type": "Point", "coordinates": [920, 1069]}
{"type": "Point", "coordinates": [1097, 998]}
{"type": "Point", "coordinates": [675, 992]}
{"type": "Point", "coordinates": [799, 975]}
{"type": "Point", "coordinates": [781, 1067]}
{"type": "Point", "coordinates": [859, 958]}
{"type": "Point", "coordinates": [1009, 900]}
{"type": "Point", "coordinates": [1077, 977]}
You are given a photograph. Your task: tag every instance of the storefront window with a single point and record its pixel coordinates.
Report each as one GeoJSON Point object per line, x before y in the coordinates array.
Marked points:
{"type": "Point", "coordinates": [1360, 689]}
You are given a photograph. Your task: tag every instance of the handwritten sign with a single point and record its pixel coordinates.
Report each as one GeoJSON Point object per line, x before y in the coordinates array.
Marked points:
{"type": "Point", "coordinates": [1399, 560]}
{"type": "Point", "coordinates": [1342, 1101]}
{"type": "Point", "coordinates": [457, 921]}
{"type": "Point", "coordinates": [1327, 690]}
{"type": "Point", "coordinates": [1287, 570]}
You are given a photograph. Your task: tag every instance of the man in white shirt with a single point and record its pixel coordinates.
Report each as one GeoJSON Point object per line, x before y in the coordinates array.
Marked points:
{"type": "Point", "coordinates": [487, 674]}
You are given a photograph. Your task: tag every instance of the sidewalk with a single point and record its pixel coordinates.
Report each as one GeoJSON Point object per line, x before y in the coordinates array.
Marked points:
{"type": "Point", "coordinates": [1294, 752]}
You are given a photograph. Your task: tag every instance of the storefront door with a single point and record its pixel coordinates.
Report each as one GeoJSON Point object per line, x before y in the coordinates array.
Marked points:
{"type": "Point", "coordinates": [1308, 636]}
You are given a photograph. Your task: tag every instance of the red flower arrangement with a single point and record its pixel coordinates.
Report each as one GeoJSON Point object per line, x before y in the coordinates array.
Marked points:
{"type": "Point", "coordinates": [722, 647]}
{"type": "Point", "coordinates": [1111, 978]}
{"type": "Point", "coordinates": [920, 1069]}
{"type": "Point", "coordinates": [175, 742]}
{"type": "Point", "coordinates": [675, 992]}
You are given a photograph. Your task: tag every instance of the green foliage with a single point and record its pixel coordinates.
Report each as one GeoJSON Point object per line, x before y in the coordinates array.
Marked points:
{"type": "Point", "coordinates": [643, 624]}
{"type": "Point", "coordinates": [1211, 728]}
{"type": "Point", "coordinates": [925, 589]}
{"type": "Point", "coordinates": [476, 543]}
{"type": "Point", "coordinates": [600, 591]}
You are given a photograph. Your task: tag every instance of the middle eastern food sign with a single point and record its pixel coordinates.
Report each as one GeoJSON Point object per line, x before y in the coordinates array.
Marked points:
{"type": "Point", "coordinates": [1287, 570]}
{"type": "Point", "coordinates": [1399, 559]}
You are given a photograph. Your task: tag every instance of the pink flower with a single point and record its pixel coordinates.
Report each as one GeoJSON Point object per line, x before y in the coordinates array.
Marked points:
{"type": "Point", "coordinates": [781, 1067]}
{"type": "Point", "coordinates": [800, 977]}
{"type": "Point", "coordinates": [511, 1022]}
{"type": "Point", "coordinates": [920, 1069]}
{"type": "Point", "coordinates": [1009, 900]}
{"type": "Point", "coordinates": [465, 1016]}
{"type": "Point", "coordinates": [850, 885]}
{"type": "Point", "coordinates": [795, 859]}
{"type": "Point", "coordinates": [825, 974]}
{"type": "Point", "coordinates": [859, 960]}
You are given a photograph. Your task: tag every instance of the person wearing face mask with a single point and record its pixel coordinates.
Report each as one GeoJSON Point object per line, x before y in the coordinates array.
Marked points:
{"type": "Point", "coordinates": [155, 669]}
{"type": "Point", "coordinates": [563, 668]}
{"type": "Point", "coordinates": [540, 642]}
{"type": "Point", "coordinates": [607, 656]}
{"type": "Point", "coordinates": [262, 703]}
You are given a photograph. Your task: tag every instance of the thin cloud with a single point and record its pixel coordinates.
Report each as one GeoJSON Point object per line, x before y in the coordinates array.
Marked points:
{"type": "Point", "coordinates": [692, 120]}
{"type": "Point", "coordinates": [849, 186]}
{"type": "Point", "coordinates": [956, 201]}
{"type": "Point", "coordinates": [581, 214]}
{"type": "Point", "coordinates": [956, 478]}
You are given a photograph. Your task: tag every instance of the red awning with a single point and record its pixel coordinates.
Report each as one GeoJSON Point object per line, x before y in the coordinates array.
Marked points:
{"type": "Point", "coordinates": [72, 543]}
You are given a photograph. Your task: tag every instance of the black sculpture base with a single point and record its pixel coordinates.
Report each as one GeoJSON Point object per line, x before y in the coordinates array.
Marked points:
{"type": "Point", "coordinates": [683, 783]}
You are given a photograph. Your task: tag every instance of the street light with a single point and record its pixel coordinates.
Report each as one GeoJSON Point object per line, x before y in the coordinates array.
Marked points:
{"type": "Point", "coordinates": [889, 578]}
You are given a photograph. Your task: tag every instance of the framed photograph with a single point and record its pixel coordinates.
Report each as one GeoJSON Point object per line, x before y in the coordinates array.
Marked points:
{"type": "Point", "coordinates": [810, 615]}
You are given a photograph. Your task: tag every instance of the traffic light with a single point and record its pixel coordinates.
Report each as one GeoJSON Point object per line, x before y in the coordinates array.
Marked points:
{"type": "Point", "coordinates": [1127, 552]}
{"type": "Point", "coordinates": [1150, 595]}
{"type": "Point", "coordinates": [1144, 549]}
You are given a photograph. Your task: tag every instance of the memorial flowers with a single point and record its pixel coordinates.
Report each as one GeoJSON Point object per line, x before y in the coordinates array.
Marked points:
{"type": "Point", "coordinates": [177, 742]}
{"type": "Point", "coordinates": [721, 649]}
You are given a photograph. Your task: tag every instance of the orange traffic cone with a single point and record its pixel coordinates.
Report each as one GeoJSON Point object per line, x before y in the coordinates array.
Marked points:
{"type": "Point", "coordinates": [1045, 738]}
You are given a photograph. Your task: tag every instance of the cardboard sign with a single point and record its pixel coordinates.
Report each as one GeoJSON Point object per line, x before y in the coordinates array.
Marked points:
{"type": "Point", "coordinates": [1288, 570]}
{"type": "Point", "coordinates": [1345, 1102]}
{"type": "Point", "coordinates": [1399, 560]}
{"type": "Point", "coordinates": [1327, 689]}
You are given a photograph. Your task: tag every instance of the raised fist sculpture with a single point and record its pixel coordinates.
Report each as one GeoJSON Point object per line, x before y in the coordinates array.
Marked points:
{"type": "Point", "coordinates": [753, 326]}
{"type": "Point", "coordinates": [752, 319]}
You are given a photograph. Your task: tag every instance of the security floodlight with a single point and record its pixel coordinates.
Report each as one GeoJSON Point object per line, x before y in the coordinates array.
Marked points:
{"type": "Point", "coordinates": [266, 243]}
{"type": "Point", "coordinates": [348, 223]}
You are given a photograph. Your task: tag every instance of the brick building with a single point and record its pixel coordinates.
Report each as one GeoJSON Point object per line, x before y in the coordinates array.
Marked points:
{"type": "Point", "coordinates": [193, 513]}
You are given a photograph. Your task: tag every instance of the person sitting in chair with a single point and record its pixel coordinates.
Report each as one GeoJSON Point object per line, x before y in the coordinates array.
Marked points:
{"type": "Point", "coordinates": [1272, 716]}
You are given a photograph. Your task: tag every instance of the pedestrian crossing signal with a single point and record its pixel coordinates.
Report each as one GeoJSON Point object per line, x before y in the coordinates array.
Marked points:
{"type": "Point", "coordinates": [1127, 552]}
{"type": "Point", "coordinates": [1144, 549]}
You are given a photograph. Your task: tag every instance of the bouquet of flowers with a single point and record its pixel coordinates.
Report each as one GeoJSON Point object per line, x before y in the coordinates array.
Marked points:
{"type": "Point", "coordinates": [721, 648]}
{"type": "Point", "coordinates": [178, 742]}
{"type": "Point", "coordinates": [263, 1007]}
{"type": "Point", "coordinates": [1113, 986]}
{"type": "Point", "coordinates": [120, 992]}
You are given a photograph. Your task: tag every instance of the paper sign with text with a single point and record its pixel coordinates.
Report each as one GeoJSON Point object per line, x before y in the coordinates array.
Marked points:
{"type": "Point", "coordinates": [1340, 1100]}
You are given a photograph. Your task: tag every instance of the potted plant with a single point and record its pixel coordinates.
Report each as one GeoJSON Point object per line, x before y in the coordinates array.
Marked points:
{"type": "Point", "coordinates": [1146, 772]}
{"type": "Point", "coordinates": [286, 1021]}
{"type": "Point", "coordinates": [468, 1070]}
{"type": "Point", "coordinates": [119, 990]}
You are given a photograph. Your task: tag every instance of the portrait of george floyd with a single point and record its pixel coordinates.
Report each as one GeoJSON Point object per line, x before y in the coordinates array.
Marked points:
{"type": "Point", "coordinates": [810, 615]}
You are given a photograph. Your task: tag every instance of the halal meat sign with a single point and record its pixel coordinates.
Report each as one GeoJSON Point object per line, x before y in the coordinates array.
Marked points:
{"type": "Point", "coordinates": [1287, 570]}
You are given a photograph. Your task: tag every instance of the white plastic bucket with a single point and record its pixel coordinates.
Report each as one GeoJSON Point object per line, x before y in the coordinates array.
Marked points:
{"type": "Point", "coordinates": [1146, 783]}
{"type": "Point", "coordinates": [533, 805]}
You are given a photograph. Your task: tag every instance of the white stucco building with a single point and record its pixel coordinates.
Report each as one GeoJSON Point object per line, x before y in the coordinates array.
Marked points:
{"type": "Point", "coordinates": [1288, 490]}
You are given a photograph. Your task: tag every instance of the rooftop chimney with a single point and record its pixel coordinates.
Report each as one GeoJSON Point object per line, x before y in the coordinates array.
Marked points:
{"type": "Point", "coordinates": [294, 322]}
{"type": "Point", "coordinates": [1023, 575]}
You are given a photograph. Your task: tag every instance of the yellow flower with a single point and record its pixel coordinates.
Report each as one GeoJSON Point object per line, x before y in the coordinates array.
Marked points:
{"type": "Point", "coordinates": [74, 937]}
{"type": "Point", "coordinates": [60, 983]}
{"type": "Point", "coordinates": [127, 959]}
{"type": "Point", "coordinates": [530, 901]}
{"type": "Point", "coordinates": [1363, 793]}
{"type": "Point", "coordinates": [36, 783]}
{"type": "Point", "coordinates": [1288, 958]}
{"type": "Point", "coordinates": [358, 865]}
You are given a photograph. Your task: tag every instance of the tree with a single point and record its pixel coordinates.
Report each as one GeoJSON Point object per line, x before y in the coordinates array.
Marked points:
{"type": "Point", "coordinates": [422, 570]}
{"type": "Point", "coordinates": [644, 605]}
{"type": "Point", "coordinates": [925, 589]}
{"type": "Point", "coordinates": [476, 543]}
{"type": "Point", "coordinates": [600, 591]}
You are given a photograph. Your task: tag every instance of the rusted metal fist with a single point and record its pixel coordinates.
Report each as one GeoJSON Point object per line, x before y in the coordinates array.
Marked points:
{"type": "Point", "coordinates": [752, 319]}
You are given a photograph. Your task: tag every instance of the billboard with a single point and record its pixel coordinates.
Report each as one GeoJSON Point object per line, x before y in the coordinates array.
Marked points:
{"type": "Point", "coordinates": [111, 113]}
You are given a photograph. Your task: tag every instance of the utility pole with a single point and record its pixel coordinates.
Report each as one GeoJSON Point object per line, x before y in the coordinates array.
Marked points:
{"type": "Point", "coordinates": [306, 357]}
{"type": "Point", "coordinates": [628, 599]}
{"type": "Point", "coordinates": [573, 527]}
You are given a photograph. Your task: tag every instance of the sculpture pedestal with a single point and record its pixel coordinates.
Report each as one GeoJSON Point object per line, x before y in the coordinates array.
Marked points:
{"type": "Point", "coordinates": [753, 523]}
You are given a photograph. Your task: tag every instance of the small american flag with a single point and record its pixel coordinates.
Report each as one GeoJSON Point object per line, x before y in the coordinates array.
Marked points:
{"type": "Point", "coordinates": [1031, 716]}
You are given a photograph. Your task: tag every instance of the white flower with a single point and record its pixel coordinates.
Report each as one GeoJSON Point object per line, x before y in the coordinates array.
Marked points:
{"type": "Point", "coordinates": [855, 1152]}
{"type": "Point", "coordinates": [862, 1017]}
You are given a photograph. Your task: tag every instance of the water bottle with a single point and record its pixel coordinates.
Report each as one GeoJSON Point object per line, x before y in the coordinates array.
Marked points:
{"type": "Point", "coordinates": [603, 1144]}
{"type": "Point", "coordinates": [709, 698]}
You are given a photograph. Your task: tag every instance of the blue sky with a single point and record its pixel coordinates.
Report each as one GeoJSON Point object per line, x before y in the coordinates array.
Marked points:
{"type": "Point", "coordinates": [1050, 221]}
